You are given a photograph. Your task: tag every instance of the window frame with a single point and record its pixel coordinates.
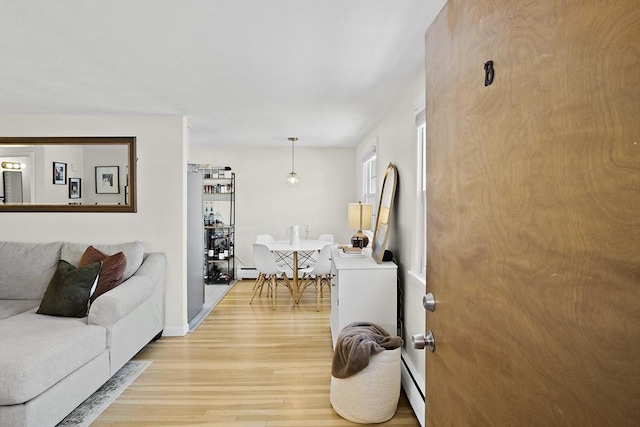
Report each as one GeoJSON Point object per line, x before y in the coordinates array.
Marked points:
{"type": "Point", "coordinates": [370, 179]}
{"type": "Point", "coordinates": [419, 265]}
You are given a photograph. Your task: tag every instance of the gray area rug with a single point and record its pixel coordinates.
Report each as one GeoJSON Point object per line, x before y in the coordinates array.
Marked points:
{"type": "Point", "coordinates": [89, 410]}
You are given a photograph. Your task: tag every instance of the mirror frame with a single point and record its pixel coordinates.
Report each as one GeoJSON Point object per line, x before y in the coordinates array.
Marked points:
{"type": "Point", "coordinates": [381, 233]}
{"type": "Point", "coordinates": [129, 141]}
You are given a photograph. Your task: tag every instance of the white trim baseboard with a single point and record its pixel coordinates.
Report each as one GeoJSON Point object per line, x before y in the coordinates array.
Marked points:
{"type": "Point", "coordinates": [175, 331]}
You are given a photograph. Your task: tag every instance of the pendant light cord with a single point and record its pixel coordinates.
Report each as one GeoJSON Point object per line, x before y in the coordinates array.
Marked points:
{"type": "Point", "coordinates": [293, 139]}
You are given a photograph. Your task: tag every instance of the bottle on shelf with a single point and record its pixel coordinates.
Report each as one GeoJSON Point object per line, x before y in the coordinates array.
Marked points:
{"type": "Point", "coordinates": [214, 246]}
{"type": "Point", "coordinates": [225, 246]}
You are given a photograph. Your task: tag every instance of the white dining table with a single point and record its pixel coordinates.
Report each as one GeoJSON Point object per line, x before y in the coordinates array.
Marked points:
{"type": "Point", "coordinates": [284, 247]}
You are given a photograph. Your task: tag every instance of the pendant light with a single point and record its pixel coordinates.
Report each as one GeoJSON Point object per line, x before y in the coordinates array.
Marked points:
{"type": "Point", "coordinates": [292, 178]}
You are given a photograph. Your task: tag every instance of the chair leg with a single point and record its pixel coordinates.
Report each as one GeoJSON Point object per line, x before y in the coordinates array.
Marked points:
{"type": "Point", "coordinates": [302, 285]}
{"type": "Point", "coordinates": [288, 284]}
{"type": "Point", "coordinates": [318, 291]}
{"type": "Point", "coordinates": [257, 286]}
{"type": "Point", "coordinates": [269, 289]}
{"type": "Point", "coordinates": [326, 281]}
{"type": "Point", "coordinates": [274, 284]}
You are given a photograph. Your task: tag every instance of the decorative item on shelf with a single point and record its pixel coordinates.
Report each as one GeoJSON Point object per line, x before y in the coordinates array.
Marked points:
{"type": "Point", "coordinates": [350, 251]}
{"type": "Point", "coordinates": [208, 213]}
{"type": "Point", "coordinates": [292, 178]}
{"type": "Point", "coordinates": [218, 219]}
{"type": "Point", "coordinates": [359, 217]}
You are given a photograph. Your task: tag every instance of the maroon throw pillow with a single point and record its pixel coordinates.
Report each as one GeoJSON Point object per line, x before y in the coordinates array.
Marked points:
{"type": "Point", "coordinates": [112, 270]}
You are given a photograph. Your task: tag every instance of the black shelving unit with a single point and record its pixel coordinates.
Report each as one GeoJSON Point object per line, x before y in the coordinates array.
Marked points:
{"type": "Point", "coordinates": [219, 215]}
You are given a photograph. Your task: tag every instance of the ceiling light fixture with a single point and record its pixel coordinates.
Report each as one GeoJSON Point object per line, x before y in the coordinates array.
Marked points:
{"type": "Point", "coordinates": [292, 178]}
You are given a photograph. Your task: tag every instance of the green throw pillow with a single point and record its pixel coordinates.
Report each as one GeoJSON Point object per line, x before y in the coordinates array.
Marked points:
{"type": "Point", "coordinates": [68, 292]}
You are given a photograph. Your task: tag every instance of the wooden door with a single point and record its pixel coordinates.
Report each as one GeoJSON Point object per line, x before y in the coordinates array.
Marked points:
{"type": "Point", "coordinates": [534, 213]}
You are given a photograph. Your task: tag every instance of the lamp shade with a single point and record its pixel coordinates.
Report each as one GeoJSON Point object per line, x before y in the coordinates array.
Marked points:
{"type": "Point", "coordinates": [359, 216]}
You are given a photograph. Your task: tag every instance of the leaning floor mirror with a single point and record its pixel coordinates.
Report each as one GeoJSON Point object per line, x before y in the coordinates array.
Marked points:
{"type": "Point", "coordinates": [385, 207]}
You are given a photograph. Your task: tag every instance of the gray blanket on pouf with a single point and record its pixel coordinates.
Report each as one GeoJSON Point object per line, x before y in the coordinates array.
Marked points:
{"type": "Point", "coordinates": [356, 343]}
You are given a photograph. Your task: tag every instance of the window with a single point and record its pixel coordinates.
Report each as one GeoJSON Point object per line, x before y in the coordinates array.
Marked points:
{"type": "Point", "coordinates": [421, 217]}
{"type": "Point", "coordinates": [369, 180]}
{"type": "Point", "coordinates": [419, 262]}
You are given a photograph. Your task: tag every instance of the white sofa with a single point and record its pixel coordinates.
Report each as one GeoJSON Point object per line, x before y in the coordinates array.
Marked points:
{"type": "Point", "coordinates": [51, 364]}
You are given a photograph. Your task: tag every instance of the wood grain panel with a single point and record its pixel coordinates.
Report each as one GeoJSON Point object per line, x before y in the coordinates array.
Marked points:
{"type": "Point", "coordinates": [534, 213]}
{"type": "Point", "coordinates": [245, 365]}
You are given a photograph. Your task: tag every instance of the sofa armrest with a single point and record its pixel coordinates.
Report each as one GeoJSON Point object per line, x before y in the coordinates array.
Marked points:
{"type": "Point", "coordinates": [111, 306]}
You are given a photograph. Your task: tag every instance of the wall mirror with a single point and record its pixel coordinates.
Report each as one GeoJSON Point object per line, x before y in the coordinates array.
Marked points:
{"type": "Point", "coordinates": [68, 174]}
{"type": "Point", "coordinates": [387, 196]}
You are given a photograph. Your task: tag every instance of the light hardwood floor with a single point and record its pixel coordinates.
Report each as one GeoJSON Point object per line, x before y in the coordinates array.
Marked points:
{"type": "Point", "coordinates": [245, 365]}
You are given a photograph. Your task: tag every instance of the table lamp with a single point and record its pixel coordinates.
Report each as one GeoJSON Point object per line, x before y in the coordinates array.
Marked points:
{"type": "Point", "coordinates": [359, 217]}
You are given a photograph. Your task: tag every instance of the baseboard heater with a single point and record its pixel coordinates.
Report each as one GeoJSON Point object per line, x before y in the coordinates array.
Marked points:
{"type": "Point", "coordinates": [247, 273]}
{"type": "Point", "coordinates": [412, 390]}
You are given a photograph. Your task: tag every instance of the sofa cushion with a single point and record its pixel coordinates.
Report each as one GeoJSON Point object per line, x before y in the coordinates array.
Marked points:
{"type": "Point", "coordinates": [27, 268]}
{"type": "Point", "coordinates": [11, 307]}
{"type": "Point", "coordinates": [111, 272]}
{"type": "Point", "coordinates": [133, 251]}
{"type": "Point", "coordinates": [69, 290]}
{"type": "Point", "coordinates": [56, 347]}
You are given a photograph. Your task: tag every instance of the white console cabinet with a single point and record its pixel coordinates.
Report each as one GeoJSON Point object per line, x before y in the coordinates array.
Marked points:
{"type": "Point", "coordinates": [362, 291]}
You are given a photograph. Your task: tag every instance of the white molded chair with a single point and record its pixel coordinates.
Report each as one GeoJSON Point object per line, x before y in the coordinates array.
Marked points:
{"type": "Point", "coordinates": [265, 239]}
{"type": "Point", "coordinates": [270, 274]}
{"type": "Point", "coordinates": [319, 275]}
{"type": "Point", "coordinates": [326, 238]}
{"type": "Point", "coordinates": [309, 258]}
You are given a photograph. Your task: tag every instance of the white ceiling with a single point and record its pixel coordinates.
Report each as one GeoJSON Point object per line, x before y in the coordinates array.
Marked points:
{"type": "Point", "coordinates": [250, 72]}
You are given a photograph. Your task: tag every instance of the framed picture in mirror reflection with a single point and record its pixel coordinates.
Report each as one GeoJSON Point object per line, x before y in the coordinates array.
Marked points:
{"type": "Point", "coordinates": [75, 188]}
{"type": "Point", "coordinates": [107, 180]}
{"type": "Point", "coordinates": [59, 173]}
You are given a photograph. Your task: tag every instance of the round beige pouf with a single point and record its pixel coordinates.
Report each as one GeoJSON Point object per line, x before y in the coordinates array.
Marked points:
{"type": "Point", "coordinates": [371, 395]}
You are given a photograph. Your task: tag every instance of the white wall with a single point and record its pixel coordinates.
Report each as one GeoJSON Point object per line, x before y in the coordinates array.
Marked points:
{"type": "Point", "coordinates": [159, 222]}
{"type": "Point", "coordinates": [396, 139]}
{"type": "Point", "coordinates": [266, 204]}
